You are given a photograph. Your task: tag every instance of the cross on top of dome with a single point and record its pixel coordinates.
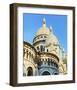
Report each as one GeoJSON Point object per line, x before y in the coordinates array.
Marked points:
{"type": "Point", "coordinates": [44, 21]}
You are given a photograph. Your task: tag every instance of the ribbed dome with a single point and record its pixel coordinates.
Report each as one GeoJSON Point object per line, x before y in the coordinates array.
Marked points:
{"type": "Point", "coordinates": [43, 29]}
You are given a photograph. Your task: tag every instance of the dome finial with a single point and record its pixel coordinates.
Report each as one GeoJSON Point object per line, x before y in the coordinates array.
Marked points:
{"type": "Point", "coordinates": [51, 29]}
{"type": "Point", "coordinates": [44, 21]}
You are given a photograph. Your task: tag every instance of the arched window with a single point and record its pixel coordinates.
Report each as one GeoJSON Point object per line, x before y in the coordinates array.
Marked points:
{"type": "Point", "coordinates": [42, 48]}
{"type": "Point", "coordinates": [26, 53]}
{"type": "Point", "coordinates": [49, 62]}
{"type": "Point", "coordinates": [39, 63]}
{"type": "Point", "coordinates": [45, 37]}
{"type": "Point", "coordinates": [46, 73]}
{"type": "Point", "coordinates": [32, 56]}
{"type": "Point", "coordinates": [47, 50]}
{"type": "Point", "coordinates": [29, 54]}
{"type": "Point", "coordinates": [45, 62]}
{"type": "Point", "coordinates": [29, 71]}
{"type": "Point", "coordinates": [56, 65]}
{"type": "Point", "coordinates": [55, 73]}
{"type": "Point", "coordinates": [37, 47]}
{"type": "Point", "coordinates": [41, 36]}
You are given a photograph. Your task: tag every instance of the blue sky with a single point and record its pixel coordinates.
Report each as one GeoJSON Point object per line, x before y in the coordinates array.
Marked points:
{"type": "Point", "coordinates": [32, 22]}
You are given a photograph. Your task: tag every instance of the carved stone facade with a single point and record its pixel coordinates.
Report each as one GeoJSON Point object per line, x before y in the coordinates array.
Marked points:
{"type": "Point", "coordinates": [45, 56]}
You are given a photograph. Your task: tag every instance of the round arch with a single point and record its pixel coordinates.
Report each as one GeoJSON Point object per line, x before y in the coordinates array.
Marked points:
{"type": "Point", "coordinates": [29, 71]}
{"type": "Point", "coordinates": [45, 73]}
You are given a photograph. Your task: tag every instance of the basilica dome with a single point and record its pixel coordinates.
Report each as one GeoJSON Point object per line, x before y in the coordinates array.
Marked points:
{"type": "Point", "coordinates": [43, 29]}
{"type": "Point", "coordinates": [51, 42]}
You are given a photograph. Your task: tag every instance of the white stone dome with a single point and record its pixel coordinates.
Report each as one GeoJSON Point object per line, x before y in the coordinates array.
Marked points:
{"type": "Point", "coordinates": [43, 29]}
{"type": "Point", "coordinates": [51, 38]}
